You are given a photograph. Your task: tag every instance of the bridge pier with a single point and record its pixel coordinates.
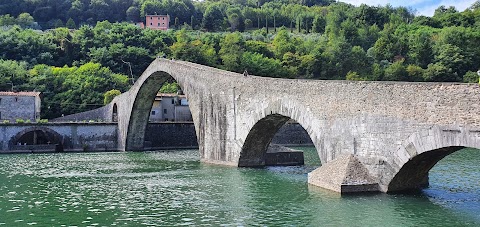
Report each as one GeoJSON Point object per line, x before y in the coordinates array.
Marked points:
{"type": "Point", "coordinates": [345, 174]}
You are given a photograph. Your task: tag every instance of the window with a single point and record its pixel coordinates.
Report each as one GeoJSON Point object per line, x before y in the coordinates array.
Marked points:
{"type": "Point", "coordinates": [151, 18]}
{"type": "Point", "coordinates": [151, 23]}
{"type": "Point", "coordinates": [163, 18]}
{"type": "Point", "coordinates": [153, 112]}
{"type": "Point", "coordinates": [0, 100]}
{"type": "Point", "coordinates": [173, 101]}
{"type": "Point", "coordinates": [165, 111]}
{"type": "Point", "coordinates": [158, 25]}
{"type": "Point", "coordinates": [16, 99]}
{"type": "Point", "coordinates": [0, 115]}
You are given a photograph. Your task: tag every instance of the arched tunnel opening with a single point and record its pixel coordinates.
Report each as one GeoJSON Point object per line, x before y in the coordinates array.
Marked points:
{"type": "Point", "coordinates": [37, 139]}
{"type": "Point", "coordinates": [445, 170]}
{"type": "Point", "coordinates": [278, 140]}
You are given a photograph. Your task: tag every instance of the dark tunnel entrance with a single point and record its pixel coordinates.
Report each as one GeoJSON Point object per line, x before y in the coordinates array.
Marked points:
{"type": "Point", "coordinates": [38, 139]}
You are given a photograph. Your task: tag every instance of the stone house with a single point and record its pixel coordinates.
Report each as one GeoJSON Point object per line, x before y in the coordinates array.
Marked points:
{"type": "Point", "coordinates": [170, 107]}
{"type": "Point", "coordinates": [19, 105]}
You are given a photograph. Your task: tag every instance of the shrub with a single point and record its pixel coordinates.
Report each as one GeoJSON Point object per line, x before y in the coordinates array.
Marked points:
{"type": "Point", "coordinates": [43, 121]}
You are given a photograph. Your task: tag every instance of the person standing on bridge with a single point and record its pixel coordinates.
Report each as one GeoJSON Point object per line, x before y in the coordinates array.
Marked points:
{"type": "Point", "coordinates": [245, 73]}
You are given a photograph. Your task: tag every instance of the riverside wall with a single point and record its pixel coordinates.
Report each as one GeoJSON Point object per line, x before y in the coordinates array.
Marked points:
{"type": "Point", "coordinates": [94, 136]}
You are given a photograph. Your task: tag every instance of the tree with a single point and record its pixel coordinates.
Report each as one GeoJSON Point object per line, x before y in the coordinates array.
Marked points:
{"type": "Point", "coordinates": [193, 50]}
{"type": "Point", "coordinates": [420, 49]}
{"type": "Point", "coordinates": [318, 25]}
{"type": "Point", "coordinates": [415, 73]}
{"type": "Point", "coordinates": [471, 77]}
{"type": "Point", "coordinates": [282, 43]}
{"type": "Point", "coordinates": [58, 23]}
{"type": "Point", "coordinates": [231, 51]}
{"type": "Point", "coordinates": [85, 86]}
{"type": "Point", "coordinates": [453, 59]}
{"type": "Point", "coordinates": [235, 19]}
{"type": "Point", "coordinates": [109, 95]}
{"type": "Point", "coordinates": [133, 14]}
{"type": "Point", "coordinates": [212, 18]}
{"type": "Point", "coordinates": [169, 87]}
{"type": "Point", "coordinates": [71, 24]}
{"type": "Point", "coordinates": [7, 20]}
{"type": "Point", "coordinates": [259, 65]}
{"type": "Point", "coordinates": [354, 76]}
{"type": "Point", "coordinates": [396, 72]}
{"type": "Point", "coordinates": [13, 75]}
{"type": "Point", "coordinates": [25, 20]}
{"type": "Point", "coordinates": [437, 72]}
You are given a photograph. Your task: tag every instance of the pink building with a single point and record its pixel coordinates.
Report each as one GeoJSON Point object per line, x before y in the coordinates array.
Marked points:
{"type": "Point", "coordinates": [157, 22]}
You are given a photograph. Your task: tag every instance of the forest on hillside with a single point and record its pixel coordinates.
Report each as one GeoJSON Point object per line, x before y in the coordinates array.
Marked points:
{"type": "Point", "coordinates": [74, 51]}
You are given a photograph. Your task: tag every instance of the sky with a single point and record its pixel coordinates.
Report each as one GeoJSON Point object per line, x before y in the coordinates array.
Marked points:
{"type": "Point", "coordinates": [423, 7]}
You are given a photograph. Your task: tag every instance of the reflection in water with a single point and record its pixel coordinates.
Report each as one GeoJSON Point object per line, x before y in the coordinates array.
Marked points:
{"type": "Point", "coordinates": [174, 188]}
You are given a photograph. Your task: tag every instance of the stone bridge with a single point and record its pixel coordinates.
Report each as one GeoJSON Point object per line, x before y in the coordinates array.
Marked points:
{"type": "Point", "coordinates": [370, 136]}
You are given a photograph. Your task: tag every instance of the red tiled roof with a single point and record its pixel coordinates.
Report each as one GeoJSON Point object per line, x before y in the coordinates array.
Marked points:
{"type": "Point", "coordinates": [21, 93]}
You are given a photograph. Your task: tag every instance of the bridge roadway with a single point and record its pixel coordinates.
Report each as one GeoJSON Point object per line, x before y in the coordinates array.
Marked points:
{"type": "Point", "coordinates": [370, 136]}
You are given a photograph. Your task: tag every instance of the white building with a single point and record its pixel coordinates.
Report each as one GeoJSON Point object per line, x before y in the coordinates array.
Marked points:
{"type": "Point", "coordinates": [170, 107]}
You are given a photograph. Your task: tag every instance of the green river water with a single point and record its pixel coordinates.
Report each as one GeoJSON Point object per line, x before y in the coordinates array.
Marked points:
{"type": "Point", "coordinates": [173, 188]}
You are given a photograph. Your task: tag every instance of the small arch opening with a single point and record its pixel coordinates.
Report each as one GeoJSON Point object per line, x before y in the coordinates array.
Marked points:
{"type": "Point", "coordinates": [275, 141]}
{"type": "Point", "coordinates": [414, 176]}
{"type": "Point", "coordinates": [115, 113]}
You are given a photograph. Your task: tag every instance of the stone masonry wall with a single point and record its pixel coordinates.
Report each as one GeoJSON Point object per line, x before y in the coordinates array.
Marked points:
{"type": "Point", "coordinates": [17, 107]}
{"type": "Point", "coordinates": [74, 136]}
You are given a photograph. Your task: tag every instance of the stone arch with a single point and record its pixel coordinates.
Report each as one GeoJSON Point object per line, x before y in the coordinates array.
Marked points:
{"type": "Point", "coordinates": [50, 135]}
{"type": "Point", "coordinates": [267, 122]}
{"type": "Point", "coordinates": [145, 91]}
{"type": "Point", "coordinates": [421, 151]}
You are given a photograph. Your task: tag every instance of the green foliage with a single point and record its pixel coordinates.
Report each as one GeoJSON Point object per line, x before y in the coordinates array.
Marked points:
{"type": "Point", "coordinates": [354, 76]}
{"type": "Point", "coordinates": [396, 72]}
{"type": "Point", "coordinates": [169, 87]}
{"type": "Point", "coordinates": [415, 73]}
{"type": "Point", "coordinates": [282, 43]}
{"type": "Point", "coordinates": [193, 50]}
{"type": "Point", "coordinates": [42, 121]}
{"type": "Point", "coordinates": [213, 18]}
{"type": "Point", "coordinates": [109, 95]}
{"type": "Point", "coordinates": [19, 121]}
{"type": "Point", "coordinates": [70, 24]}
{"type": "Point", "coordinates": [319, 39]}
{"type": "Point", "coordinates": [471, 77]}
{"type": "Point", "coordinates": [259, 65]}
{"type": "Point", "coordinates": [437, 72]}
{"type": "Point", "coordinates": [232, 48]}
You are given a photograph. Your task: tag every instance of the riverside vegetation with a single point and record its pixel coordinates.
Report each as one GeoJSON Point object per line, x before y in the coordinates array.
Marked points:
{"type": "Point", "coordinates": [81, 63]}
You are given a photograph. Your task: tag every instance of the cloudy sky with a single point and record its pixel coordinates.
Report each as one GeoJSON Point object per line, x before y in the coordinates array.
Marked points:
{"type": "Point", "coordinates": [423, 7]}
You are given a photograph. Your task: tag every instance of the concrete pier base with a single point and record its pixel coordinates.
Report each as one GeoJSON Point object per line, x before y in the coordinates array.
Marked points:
{"type": "Point", "coordinates": [346, 174]}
